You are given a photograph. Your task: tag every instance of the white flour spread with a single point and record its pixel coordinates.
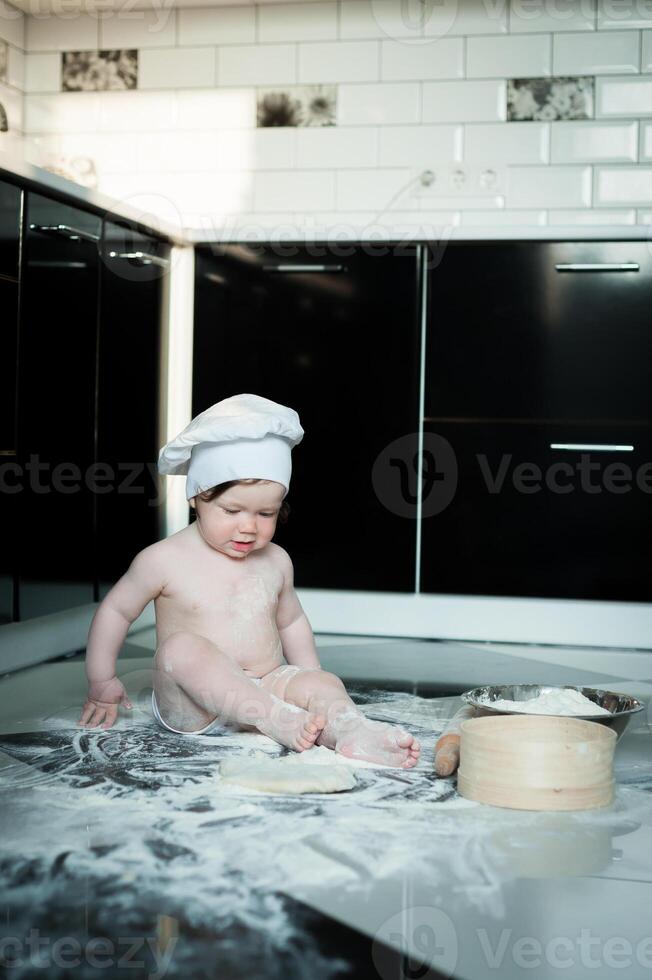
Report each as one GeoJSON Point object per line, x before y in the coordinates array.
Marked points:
{"type": "Point", "coordinates": [317, 770]}
{"type": "Point", "coordinates": [551, 701]}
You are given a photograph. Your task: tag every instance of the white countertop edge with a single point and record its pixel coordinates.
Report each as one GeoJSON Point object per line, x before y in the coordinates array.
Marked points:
{"type": "Point", "coordinates": [15, 166]}
{"type": "Point", "coordinates": [403, 233]}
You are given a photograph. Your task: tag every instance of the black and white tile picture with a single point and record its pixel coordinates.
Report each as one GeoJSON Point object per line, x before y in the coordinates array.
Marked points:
{"type": "Point", "coordinates": [304, 105]}
{"type": "Point", "coordinates": [549, 99]}
{"type": "Point", "coordinates": [3, 60]}
{"type": "Point", "coordinates": [93, 71]}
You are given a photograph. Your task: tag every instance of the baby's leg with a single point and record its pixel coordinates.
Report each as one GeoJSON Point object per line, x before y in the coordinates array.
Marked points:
{"type": "Point", "coordinates": [194, 683]}
{"type": "Point", "coordinates": [347, 730]}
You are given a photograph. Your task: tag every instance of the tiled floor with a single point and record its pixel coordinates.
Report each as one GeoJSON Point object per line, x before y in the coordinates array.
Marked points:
{"type": "Point", "coordinates": [127, 832]}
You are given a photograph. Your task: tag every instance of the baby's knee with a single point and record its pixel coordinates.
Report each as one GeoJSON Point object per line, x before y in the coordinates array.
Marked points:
{"type": "Point", "coordinates": [332, 680]}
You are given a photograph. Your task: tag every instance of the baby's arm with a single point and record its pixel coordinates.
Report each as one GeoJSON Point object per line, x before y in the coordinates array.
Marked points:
{"type": "Point", "coordinates": [143, 581]}
{"type": "Point", "coordinates": [291, 621]}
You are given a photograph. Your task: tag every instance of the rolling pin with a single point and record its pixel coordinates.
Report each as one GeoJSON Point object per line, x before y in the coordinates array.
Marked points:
{"type": "Point", "coordinates": [447, 748]}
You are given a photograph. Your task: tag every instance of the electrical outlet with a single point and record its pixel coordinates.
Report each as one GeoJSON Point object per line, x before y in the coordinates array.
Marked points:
{"type": "Point", "coordinates": [460, 180]}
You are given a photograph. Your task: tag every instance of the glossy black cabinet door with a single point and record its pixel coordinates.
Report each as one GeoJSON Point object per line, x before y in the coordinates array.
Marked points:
{"type": "Point", "coordinates": [556, 331]}
{"type": "Point", "coordinates": [334, 336]}
{"type": "Point", "coordinates": [9, 475]}
{"type": "Point", "coordinates": [127, 499]}
{"type": "Point", "coordinates": [10, 218]}
{"type": "Point", "coordinates": [527, 519]}
{"type": "Point", "coordinates": [56, 405]}
{"type": "Point", "coordinates": [10, 215]}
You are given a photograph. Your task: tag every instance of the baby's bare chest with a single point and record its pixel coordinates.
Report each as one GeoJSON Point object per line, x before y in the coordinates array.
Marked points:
{"type": "Point", "coordinates": [223, 595]}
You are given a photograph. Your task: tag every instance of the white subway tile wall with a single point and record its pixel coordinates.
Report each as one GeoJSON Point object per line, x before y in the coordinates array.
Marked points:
{"type": "Point", "coordinates": [419, 88]}
{"type": "Point", "coordinates": [297, 22]}
{"type": "Point", "coordinates": [618, 186]}
{"type": "Point", "coordinates": [610, 53]}
{"type": "Point", "coordinates": [216, 25]}
{"type": "Point", "coordinates": [15, 72]}
{"type": "Point", "coordinates": [337, 147]}
{"type": "Point", "coordinates": [348, 61]}
{"type": "Point", "coordinates": [574, 15]}
{"type": "Point", "coordinates": [72, 31]}
{"type": "Point", "coordinates": [419, 146]}
{"type": "Point", "coordinates": [616, 14]}
{"type": "Point", "coordinates": [12, 81]}
{"type": "Point", "coordinates": [519, 142]}
{"type": "Point", "coordinates": [646, 141]}
{"type": "Point", "coordinates": [624, 96]}
{"type": "Point", "coordinates": [439, 58]}
{"type": "Point", "coordinates": [594, 142]}
{"type": "Point", "coordinates": [509, 57]}
{"type": "Point", "coordinates": [553, 187]}
{"type": "Point", "coordinates": [463, 101]}
{"type": "Point", "coordinates": [646, 52]}
{"type": "Point", "coordinates": [394, 102]}
{"type": "Point", "coordinates": [43, 73]}
{"type": "Point", "coordinates": [257, 64]}
{"type": "Point", "coordinates": [139, 29]}
{"type": "Point", "coordinates": [160, 68]}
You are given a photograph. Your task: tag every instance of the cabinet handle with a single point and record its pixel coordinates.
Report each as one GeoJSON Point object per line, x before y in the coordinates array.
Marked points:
{"type": "Point", "coordinates": [597, 267]}
{"type": "Point", "coordinates": [303, 268]}
{"type": "Point", "coordinates": [598, 447]}
{"type": "Point", "coordinates": [68, 231]}
{"type": "Point", "coordinates": [143, 257]}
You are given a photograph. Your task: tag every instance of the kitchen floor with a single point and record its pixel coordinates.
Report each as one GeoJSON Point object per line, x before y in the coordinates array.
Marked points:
{"type": "Point", "coordinates": [121, 847]}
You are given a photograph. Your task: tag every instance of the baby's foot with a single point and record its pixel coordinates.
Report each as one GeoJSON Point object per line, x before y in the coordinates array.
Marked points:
{"type": "Point", "coordinates": [374, 741]}
{"type": "Point", "coordinates": [293, 727]}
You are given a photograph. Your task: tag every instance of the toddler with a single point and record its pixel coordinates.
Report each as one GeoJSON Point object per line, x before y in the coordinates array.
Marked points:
{"type": "Point", "coordinates": [234, 645]}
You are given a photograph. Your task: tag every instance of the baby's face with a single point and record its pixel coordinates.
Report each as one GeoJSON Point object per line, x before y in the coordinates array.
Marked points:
{"type": "Point", "coordinates": [246, 513]}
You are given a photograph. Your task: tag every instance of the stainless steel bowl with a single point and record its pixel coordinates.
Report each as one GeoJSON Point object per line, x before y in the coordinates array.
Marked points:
{"type": "Point", "coordinates": [621, 706]}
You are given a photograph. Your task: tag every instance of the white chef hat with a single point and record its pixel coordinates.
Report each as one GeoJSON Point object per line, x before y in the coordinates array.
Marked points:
{"type": "Point", "coordinates": [242, 437]}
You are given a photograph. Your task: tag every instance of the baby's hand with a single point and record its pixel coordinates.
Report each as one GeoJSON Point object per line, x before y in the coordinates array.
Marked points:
{"type": "Point", "coordinates": [102, 703]}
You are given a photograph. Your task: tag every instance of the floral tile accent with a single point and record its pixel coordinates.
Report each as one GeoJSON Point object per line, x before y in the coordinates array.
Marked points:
{"type": "Point", "coordinates": [93, 71]}
{"type": "Point", "coordinates": [3, 60]}
{"type": "Point", "coordinates": [305, 105]}
{"type": "Point", "coordinates": [550, 98]}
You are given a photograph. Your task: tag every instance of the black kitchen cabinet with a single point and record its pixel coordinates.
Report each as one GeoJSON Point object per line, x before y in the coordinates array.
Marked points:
{"type": "Point", "coordinates": [333, 333]}
{"type": "Point", "coordinates": [537, 358]}
{"type": "Point", "coordinates": [56, 405]}
{"type": "Point", "coordinates": [526, 519]}
{"type": "Point", "coordinates": [540, 331]}
{"type": "Point", "coordinates": [10, 217]}
{"type": "Point", "coordinates": [128, 496]}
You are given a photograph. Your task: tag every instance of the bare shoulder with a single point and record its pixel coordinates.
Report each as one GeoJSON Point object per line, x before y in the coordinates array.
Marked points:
{"type": "Point", "coordinates": [153, 563]}
{"type": "Point", "coordinates": [280, 558]}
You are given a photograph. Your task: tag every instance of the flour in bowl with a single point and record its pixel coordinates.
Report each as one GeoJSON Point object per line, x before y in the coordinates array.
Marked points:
{"type": "Point", "coordinates": [553, 701]}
